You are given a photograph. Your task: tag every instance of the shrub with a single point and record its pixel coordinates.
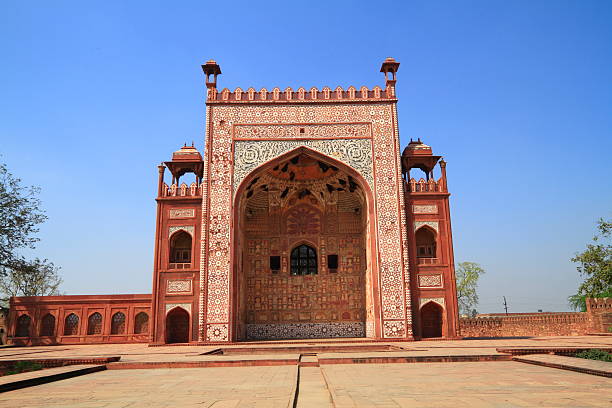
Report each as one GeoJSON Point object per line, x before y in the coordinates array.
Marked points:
{"type": "Point", "coordinates": [595, 354]}
{"type": "Point", "coordinates": [24, 366]}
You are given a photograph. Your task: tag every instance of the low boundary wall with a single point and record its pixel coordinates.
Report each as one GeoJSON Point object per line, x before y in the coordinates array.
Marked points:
{"type": "Point", "coordinates": [597, 319]}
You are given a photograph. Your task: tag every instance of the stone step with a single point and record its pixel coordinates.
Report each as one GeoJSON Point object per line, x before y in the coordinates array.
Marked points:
{"type": "Point", "coordinates": [29, 379]}
{"type": "Point", "coordinates": [581, 365]}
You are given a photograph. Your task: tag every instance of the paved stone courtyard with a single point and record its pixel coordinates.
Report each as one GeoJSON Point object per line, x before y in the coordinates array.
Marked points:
{"type": "Point", "coordinates": [423, 384]}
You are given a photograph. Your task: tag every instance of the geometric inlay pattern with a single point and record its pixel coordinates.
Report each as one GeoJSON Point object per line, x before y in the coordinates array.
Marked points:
{"type": "Point", "coordinates": [305, 330]}
{"type": "Point", "coordinates": [430, 281]}
{"type": "Point", "coordinates": [217, 332]}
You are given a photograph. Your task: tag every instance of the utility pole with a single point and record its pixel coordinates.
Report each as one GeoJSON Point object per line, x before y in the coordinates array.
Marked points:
{"type": "Point", "coordinates": [505, 305]}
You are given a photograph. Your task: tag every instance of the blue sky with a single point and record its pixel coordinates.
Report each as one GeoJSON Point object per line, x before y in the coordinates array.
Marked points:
{"type": "Point", "coordinates": [517, 96]}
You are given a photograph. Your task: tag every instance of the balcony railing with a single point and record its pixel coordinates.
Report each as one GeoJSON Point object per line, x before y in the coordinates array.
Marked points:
{"type": "Point", "coordinates": [427, 261]}
{"type": "Point", "coordinates": [422, 186]}
{"type": "Point", "coordinates": [183, 190]}
{"type": "Point", "coordinates": [176, 265]}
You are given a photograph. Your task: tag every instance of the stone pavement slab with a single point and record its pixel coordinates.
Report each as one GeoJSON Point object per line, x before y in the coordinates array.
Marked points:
{"type": "Point", "coordinates": [31, 378]}
{"type": "Point", "coordinates": [189, 387]}
{"type": "Point", "coordinates": [581, 365]}
{"type": "Point", "coordinates": [313, 391]}
{"type": "Point", "coordinates": [490, 384]}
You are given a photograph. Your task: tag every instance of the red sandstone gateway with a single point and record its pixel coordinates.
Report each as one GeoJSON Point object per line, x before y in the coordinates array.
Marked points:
{"type": "Point", "coordinates": [303, 222]}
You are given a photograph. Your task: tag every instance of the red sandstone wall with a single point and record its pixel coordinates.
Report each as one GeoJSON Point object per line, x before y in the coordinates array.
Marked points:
{"type": "Point", "coordinates": [600, 311]}
{"type": "Point", "coordinates": [541, 324]}
{"type": "Point", "coordinates": [597, 319]}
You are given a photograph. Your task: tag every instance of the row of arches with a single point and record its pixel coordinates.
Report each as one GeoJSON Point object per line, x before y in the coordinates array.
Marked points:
{"type": "Point", "coordinates": [71, 324]}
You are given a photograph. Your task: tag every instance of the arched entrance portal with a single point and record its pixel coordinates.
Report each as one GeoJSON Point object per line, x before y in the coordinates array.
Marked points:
{"type": "Point", "coordinates": [177, 326]}
{"type": "Point", "coordinates": [431, 320]}
{"type": "Point", "coordinates": [302, 245]}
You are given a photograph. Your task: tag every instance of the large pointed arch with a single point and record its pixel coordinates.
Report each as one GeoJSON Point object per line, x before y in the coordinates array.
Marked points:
{"type": "Point", "coordinates": [310, 152]}
{"type": "Point", "coordinates": [373, 301]}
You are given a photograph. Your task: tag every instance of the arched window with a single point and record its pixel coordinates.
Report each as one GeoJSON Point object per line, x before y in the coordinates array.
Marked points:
{"type": "Point", "coordinates": [425, 243]}
{"type": "Point", "coordinates": [141, 323]}
{"type": "Point", "coordinates": [94, 324]}
{"type": "Point", "coordinates": [23, 326]}
{"type": "Point", "coordinates": [180, 248]}
{"type": "Point", "coordinates": [118, 323]}
{"type": "Point", "coordinates": [47, 327]}
{"type": "Point", "coordinates": [71, 325]}
{"type": "Point", "coordinates": [303, 260]}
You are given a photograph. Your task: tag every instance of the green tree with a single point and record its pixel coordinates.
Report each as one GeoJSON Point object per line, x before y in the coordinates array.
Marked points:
{"type": "Point", "coordinates": [20, 217]}
{"type": "Point", "coordinates": [595, 265]}
{"type": "Point", "coordinates": [38, 277]}
{"type": "Point", "coordinates": [467, 274]}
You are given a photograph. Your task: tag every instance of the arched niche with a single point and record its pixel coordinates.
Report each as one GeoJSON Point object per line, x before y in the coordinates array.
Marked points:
{"type": "Point", "coordinates": [177, 326]}
{"type": "Point", "coordinates": [432, 319]}
{"type": "Point", "coordinates": [296, 186]}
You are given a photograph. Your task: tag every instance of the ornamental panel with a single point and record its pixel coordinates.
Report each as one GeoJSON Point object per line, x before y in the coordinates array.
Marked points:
{"type": "Point", "coordinates": [430, 281]}
{"type": "Point", "coordinates": [356, 153]}
{"type": "Point", "coordinates": [304, 330]}
{"type": "Point", "coordinates": [305, 131]}
{"type": "Point", "coordinates": [182, 213]}
{"type": "Point", "coordinates": [178, 286]}
{"type": "Point", "coordinates": [425, 209]}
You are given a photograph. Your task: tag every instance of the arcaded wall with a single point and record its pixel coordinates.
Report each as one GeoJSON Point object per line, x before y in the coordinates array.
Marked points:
{"type": "Point", "coordinates": [79, 319]}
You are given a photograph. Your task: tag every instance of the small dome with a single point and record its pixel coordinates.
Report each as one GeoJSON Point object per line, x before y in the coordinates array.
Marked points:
{"type": "Point", "coordinates": [187, 153]}
{"type": "Point", "coordinates": [416, 147]}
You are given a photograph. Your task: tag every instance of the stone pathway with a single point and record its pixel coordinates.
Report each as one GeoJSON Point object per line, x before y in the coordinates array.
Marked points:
{"type": "Point", "coordinates": [182, 387]}
{"type": "Point", "coordinates": [490, 384]}
{"type": "Point", "coordinates": [313, 391]}
{"type": "Point", "coordinates": [323, 382]}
